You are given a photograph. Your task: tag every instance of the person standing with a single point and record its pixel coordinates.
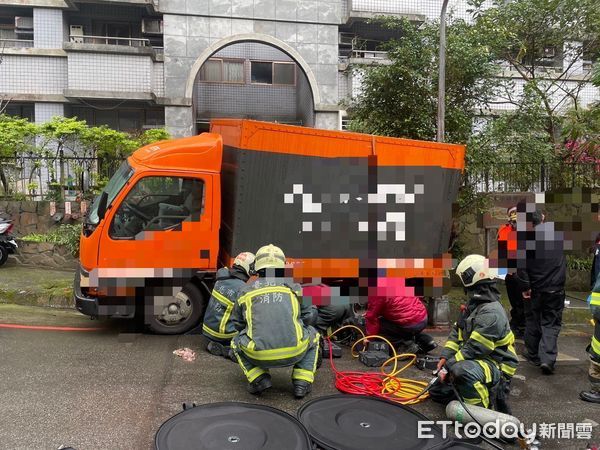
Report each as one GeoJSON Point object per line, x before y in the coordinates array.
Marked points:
{"type": "Point", "coordinates": [217, 326]}
{"type": "Point", "coordinates": [593, 395]}
{"type": "Point", "coordinates": [269, 318]}
{"type": "Point", "coordinates": [542, 280]}
{"type": "Point", "coordinates": [507, 258]}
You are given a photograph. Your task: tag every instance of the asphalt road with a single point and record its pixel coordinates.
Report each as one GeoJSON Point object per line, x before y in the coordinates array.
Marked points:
{"type": "Point", "coordinates": [111, 390]}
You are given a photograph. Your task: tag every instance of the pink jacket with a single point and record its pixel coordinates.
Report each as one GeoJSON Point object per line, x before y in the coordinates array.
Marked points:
{"type": "Point", "coordinates": [394, 302]}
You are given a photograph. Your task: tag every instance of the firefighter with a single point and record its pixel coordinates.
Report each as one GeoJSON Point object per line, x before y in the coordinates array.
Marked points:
{"type": "Point", "coordinates": [507, 255]}
{"type": "Point", "coordinates": [542, 280]}
{"type": "Point", "coordinates": [593, 395]}
{"type": "Point", "coordinates": [479, 355]}
{"type": "Point", "coordinates": [217, 326]}
{"type": "Point", "coordinates": [268, 316]}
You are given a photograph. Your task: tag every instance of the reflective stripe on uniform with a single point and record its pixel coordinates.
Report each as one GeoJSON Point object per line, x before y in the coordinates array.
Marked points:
{"type": "Point", "coordinates": [251, 374]}
{"type": "Point", "coordinates": [277, 353]}
{"type": "Point", "coordinates": [303, 374]}
{"type": "Point", "coordinates": [596, 345]}
{"type": "Point", "coordinates": [317, 341]}
{"type": "Point", "coordinates": [459, 356]}
{"type": "Point", "coordinates": [452, 345]}
{"type": "Point", "coordinates": [482, 340]}
{"type": "Point", "coordinates": [506, 340]}
{"type": "Point", "coordinates": [220, 297]}
{"type": "Point", "coordinates": [217, 334]}
{"type": "Point", "coordinates": [460, 336]}
{"type": "Point", "coordinates": [595, 299]}
{"type": "Point", "coordinates": [508, 370]}
{"type": "Point", "coordinates": [486, 370]}
{"type": "Point", "coordinates": [483, 393]}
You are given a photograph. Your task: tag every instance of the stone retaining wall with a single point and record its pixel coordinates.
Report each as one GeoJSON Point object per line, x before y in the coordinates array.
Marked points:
{"type": "Point", "coordinates": [44, 255]}
{"type": "Point", "coordinates": [34, 217]}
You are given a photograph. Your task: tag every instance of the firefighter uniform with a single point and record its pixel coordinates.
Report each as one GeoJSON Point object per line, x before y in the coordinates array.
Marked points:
{"type": "Point", "coordinates": [217, 324]}
{"type": "Point", "coordinates": [271, 333]}
{"type": "Point", "coordinates": [480, 351]}
{"type": "Point", "coordinates": [594, 348]}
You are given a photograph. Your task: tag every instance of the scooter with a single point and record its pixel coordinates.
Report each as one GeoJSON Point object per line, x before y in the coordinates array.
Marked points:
{"type": "Point", "coordinates": [8, 246]}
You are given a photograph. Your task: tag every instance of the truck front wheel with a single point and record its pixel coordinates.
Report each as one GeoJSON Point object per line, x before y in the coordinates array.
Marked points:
{"type": "Point", "coordinates": [181, 314]}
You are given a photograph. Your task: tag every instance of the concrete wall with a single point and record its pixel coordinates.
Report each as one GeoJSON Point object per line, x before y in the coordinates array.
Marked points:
{"type": "Point", "coordinates": [191, 28]}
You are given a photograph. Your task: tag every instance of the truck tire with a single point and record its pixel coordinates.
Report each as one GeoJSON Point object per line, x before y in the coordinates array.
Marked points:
{"type": "Point", "coordinates": [3, 255]}
{"type": "Point", "coordinates": [190, 304]}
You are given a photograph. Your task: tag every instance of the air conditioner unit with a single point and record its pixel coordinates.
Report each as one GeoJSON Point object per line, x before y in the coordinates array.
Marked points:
{"type": "Point", "coordinates": [24, 24]}
{"type": "Point", "coordinates": [76, 33]}
{"type": "Point", "coordinates": [152, 26]}
{"type": "Point", "coordinates": [549, 52]}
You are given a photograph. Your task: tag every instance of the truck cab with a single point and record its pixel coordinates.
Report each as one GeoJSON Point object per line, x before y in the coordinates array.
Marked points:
{"type": "Point", "coordinates": [153, 234]}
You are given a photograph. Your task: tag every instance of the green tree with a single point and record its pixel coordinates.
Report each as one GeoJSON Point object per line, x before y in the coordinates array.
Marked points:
{"type": "Point", "coordinates": [152, 135]}
{"type": "Point", "coordinates": [400, 99]}
{"type": "Point", "coordinates": [539, 43]}
{"type": "Point", "coordinates": [16, 137]}
{"type": "Point", "coordinates": [62, 133]}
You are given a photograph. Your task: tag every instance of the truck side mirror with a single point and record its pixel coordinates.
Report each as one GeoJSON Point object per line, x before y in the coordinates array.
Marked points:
{"type": "Point", "coordinates": [102, 205]}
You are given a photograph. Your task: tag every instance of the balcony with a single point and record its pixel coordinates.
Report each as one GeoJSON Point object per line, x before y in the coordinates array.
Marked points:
{"type": "Point", "coordinates": [114, 44]}
{"type": "Point", "coordinates": [16, 43]}
{"type": "Point", "coordinates": [366, 9]}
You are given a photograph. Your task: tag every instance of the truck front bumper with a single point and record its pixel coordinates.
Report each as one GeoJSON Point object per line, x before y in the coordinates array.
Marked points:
{"type": "Point", "coordinates": [123, 307]}
{"type": "Point", "coordinates": [85, 305]}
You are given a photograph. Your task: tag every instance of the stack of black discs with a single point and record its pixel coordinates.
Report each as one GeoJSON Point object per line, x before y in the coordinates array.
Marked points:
{"type": "Point", "coordinates": [336, 422]}
{"type": "Point", "coordinates": [348, 422]}
{"type": "Point", "coordinates": [232, 426]}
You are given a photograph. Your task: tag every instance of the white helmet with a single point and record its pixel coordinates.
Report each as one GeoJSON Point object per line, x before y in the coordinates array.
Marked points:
{"type": "Point", "coordinates": [473, 269]}
{"type": "Point", "coordinates": [270, 256]}
{"type": "Point", "coordinates": [245, 261]}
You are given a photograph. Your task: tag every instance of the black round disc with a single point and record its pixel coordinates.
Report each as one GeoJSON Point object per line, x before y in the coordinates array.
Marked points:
{"type": "Point", "coordinates": [232, 426]}
{"type": "Point", "coordinates": [349, 422]}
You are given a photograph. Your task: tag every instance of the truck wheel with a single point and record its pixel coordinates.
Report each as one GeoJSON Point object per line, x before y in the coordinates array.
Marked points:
{"type": "Point", "coordinates": [182, 314]}
{"type": "Point", "coordinates": [3, 255]}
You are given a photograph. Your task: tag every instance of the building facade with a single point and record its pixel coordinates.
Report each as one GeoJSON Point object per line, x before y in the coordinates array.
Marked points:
{"type": "Point", "coordinates": [177, 63]}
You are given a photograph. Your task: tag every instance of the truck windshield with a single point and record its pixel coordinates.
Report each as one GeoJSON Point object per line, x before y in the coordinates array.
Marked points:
{"type": "Point", "coordinates": [113, 187]}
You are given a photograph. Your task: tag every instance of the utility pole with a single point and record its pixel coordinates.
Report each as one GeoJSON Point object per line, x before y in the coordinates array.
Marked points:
{"type": "Point", "coordinates": [442, 77]}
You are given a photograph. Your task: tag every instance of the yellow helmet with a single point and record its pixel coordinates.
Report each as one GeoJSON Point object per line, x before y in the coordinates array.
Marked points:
{"type": "Point", "coordinates": [473, 269]}
{"type": "Point", "coordinates": [244, 260]}
{"type": "Point", "coordinates": [269, 256]}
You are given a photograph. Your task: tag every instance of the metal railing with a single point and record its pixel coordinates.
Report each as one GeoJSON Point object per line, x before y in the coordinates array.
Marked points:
{"type": "Point", "coordinates": [369, 54]}
{"type": "Point", "coordinates": [109, 40]}
{"type": "Point", "coordinates": [38, 177]}
{"type": "Point", "coordinates": [532, 177]}
{"type": "Point", "coordinates": [16, 43]}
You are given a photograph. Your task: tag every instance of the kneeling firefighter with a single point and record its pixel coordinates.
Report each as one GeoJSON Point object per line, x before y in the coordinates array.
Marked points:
{"type": "Point", "coordinates": [270, 319]}
{"type": "Point", "coordinates": [217, 326]}
{"type": "Point", "coordinates": [479, 355]}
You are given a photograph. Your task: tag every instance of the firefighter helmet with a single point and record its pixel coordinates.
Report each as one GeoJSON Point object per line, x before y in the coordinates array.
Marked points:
{"type": "Point", "coordinates": [269, 256]}
{"type": "Point", "coordinates": [473, 269]}
{"type": "Point", "coordinates": [245, 260]}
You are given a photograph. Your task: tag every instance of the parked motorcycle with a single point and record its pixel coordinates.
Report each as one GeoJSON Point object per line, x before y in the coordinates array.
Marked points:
{"type": "Point", "coordinates": [7, 242]}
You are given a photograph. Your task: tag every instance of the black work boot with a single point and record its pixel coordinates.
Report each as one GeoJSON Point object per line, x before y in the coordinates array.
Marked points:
{"type": "Point", "coordinates": [301, 388]}
{"type": "Point", "coordinates": [214, 348]}
{"type": "Point", "coordinates": [592, 396]}
{"type": "Point", "coordinates": [547, 369]}
{"type": "Point", "coordinates": [260, 385]}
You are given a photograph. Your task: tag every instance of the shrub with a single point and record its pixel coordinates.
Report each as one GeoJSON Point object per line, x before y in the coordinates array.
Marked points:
{"type": "Point", "coordinates": [67, 235]}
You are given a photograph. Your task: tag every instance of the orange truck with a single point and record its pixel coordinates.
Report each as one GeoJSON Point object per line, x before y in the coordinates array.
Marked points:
{"type": "Point", "coordinates": [346, 208]}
